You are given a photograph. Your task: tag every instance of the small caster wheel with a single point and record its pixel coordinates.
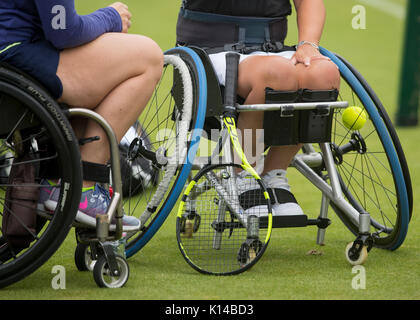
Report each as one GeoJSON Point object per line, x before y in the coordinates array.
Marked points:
{"type": "Point", "coordinates": [249, 251]}
{"type": "Point", "coordinates": [197, 222]}
{"type": "Point", "coordinates": [356, 254]}
{"type": "Point", "coordinates": [189, 229]}
{"type": "Point", "coordinates": [103, 277]}
{"type": "Point", "coordinates": [84, 258]}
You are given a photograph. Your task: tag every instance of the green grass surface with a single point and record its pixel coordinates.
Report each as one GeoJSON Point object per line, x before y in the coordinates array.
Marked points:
{"type": "Point", "coordinates": [285, 271]}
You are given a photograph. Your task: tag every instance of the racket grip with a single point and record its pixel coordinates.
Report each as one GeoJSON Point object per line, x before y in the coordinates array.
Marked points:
{"type": "Point", "coordinates": [231, 86]}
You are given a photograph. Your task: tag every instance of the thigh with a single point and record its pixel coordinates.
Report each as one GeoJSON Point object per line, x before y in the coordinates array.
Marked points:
{"type": "Point", "coordinates": [90, 72]}
{"type": "Point", "coordinates": [260, 72]}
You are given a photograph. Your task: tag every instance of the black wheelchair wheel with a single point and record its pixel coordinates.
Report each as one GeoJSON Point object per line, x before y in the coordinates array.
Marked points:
{"type": "Point", "coordinates": [372, 168]}
{"type": "Point", "coordinates": [35, 133]}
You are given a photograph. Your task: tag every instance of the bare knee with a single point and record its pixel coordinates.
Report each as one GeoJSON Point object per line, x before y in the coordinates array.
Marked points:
{"type": "Point", "coordinates": [148, 56]}
{"type": "Point", "coordinates": [258, 73]}
{"type": "Point", "coordinates": [90, 72]}
{"type": "Point", "coordinates": [321, 75]}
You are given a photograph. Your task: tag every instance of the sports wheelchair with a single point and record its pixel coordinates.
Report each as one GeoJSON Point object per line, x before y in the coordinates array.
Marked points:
{"type": "Point", "coordinates": [38, 143]}
{"type": "Point", "coordinates": [362, 174]}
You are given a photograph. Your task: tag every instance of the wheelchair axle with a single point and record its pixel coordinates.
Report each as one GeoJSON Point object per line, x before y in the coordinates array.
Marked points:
{"type": "Point", "coordinates": [356, 143]}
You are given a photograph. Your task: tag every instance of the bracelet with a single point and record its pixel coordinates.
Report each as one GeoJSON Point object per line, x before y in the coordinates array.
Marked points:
{"type": "Point", "coordinates": [301, 43]}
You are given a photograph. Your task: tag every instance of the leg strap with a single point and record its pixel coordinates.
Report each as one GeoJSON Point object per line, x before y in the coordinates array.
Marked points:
{"type": "Point", "coordinates": [254, 198]}
{"type": "Point", "coordinates": [281, 196]}
{"type": "Point", "coordinates": [319, 95]}
{"type": "Point", "coordinates": [96, 172]}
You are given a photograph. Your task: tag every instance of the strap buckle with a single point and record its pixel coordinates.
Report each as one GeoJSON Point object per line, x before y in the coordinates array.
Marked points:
{"type": "Point", "coordinates": [237, 47]}
{"type": "Point", "coordinates": [269, 46]}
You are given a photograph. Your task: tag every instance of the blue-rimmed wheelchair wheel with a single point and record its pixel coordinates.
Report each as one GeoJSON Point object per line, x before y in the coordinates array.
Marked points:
{"type": "Point", "coordinates": [32, 123]}
{"type": "Point", "coordinates": [374, 175]}
{"type": "Point", "coordinates": [161, 212]}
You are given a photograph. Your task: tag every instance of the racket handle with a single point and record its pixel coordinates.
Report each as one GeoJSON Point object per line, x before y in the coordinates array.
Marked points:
{"type": "Point", "coordinates": [231, 87]}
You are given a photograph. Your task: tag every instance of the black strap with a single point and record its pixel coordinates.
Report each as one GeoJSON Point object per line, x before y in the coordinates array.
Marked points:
{"type": "Point", "coordinates": [96, 172]}
{"type": "Point", "coordinates": [281, 196]}
{"type": "Point", "coordinates": [218, 33]}
{"type": "Point", "coordinates": [253, 198]}
{"type": "Point", "coordinates": [243, 48]}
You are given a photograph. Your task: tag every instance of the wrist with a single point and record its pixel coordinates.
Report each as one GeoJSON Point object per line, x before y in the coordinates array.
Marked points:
{"type": "Point", "coordinates": [309, 43]}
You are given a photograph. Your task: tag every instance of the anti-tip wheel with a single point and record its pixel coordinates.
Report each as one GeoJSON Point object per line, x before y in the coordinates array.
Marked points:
{"type": "Point", "coordinates": [356, 258]}
{"type": "Point", "coordinates": [103, 277]}
{"type": "Point", "coordinates": [83, 257]}
{"type": "Point", "coordinates": [188, 229]}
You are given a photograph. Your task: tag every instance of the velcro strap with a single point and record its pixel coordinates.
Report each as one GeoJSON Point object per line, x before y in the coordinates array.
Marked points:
{"type": "Point", "coordinates": [96, 172]}
{"type": "Point", "coordinates": [281, 196]}
{"type": "Point", "coordinates": [319, 95]}
{"type": "Point", "coordinates": [252, 198]}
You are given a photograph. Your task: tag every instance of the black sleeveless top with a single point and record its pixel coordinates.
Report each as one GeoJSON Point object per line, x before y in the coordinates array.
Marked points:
{"type": "Point", "coordinates": [250, 8]}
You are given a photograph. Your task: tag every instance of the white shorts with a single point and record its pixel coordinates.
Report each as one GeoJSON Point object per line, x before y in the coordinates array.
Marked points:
{"type": "Point", "coordinates": [219, 61]}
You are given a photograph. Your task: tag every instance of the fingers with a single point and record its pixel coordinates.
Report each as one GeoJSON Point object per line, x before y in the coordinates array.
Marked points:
{"type": "Point", "coordinates": [125, 14]}
{"type": "Point", "coordinates": [305, 60]}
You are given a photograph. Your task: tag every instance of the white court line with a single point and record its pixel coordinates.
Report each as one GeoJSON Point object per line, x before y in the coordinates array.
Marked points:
{"type": "Point", "coordinates": [387, 6]}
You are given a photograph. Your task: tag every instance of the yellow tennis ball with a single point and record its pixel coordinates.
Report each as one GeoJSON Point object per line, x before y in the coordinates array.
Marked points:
{"type": "Point", "coordinates": [354, 118]}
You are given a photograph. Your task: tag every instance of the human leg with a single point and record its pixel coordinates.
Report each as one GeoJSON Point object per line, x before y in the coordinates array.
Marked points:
{"type": "Point", "coordinates": [256, 74]}
{"type": "Point", "coordinates": [115, 76]}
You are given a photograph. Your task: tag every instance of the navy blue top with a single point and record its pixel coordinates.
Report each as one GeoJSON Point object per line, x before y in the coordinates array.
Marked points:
{"type": "Point", "coordinates": [31, 20]}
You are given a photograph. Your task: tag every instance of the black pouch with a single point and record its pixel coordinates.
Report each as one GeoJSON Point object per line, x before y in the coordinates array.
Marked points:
{"type": "Point", "coordinates": [281, 127]}
{"type": "Point", "coordinates": [315, 125]}
{"type": "Point", "coordinates": [19, 223]}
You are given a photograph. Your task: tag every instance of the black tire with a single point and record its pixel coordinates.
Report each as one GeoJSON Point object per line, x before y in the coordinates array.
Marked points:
{"type": "Point", "coordinates": [44, 122]}
{"type": "Point", "coordinates": [83, 258]}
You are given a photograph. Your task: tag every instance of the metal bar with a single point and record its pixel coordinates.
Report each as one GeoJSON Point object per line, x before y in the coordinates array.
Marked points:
{"type": "Point", "coordinates": [325, 202]}
{"type": "Point", "coordinates": [332, 172]}
{"type": "Point", "coordinates": [313, 159]}
{"type": "Point", "coordinates": [326, 189]}
{"type": "Point", "coordinates": [292, 106]}
{"type": "Point", "coordinates": [115, 210]}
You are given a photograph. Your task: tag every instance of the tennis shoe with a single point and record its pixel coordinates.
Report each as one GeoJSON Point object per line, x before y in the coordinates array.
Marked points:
{"type": "Point", "coordinates": [45, 192]}
{"type": "Point", "coordinates": [284, 201]}
{"type": "Point", "coordinates": [94, 201]}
